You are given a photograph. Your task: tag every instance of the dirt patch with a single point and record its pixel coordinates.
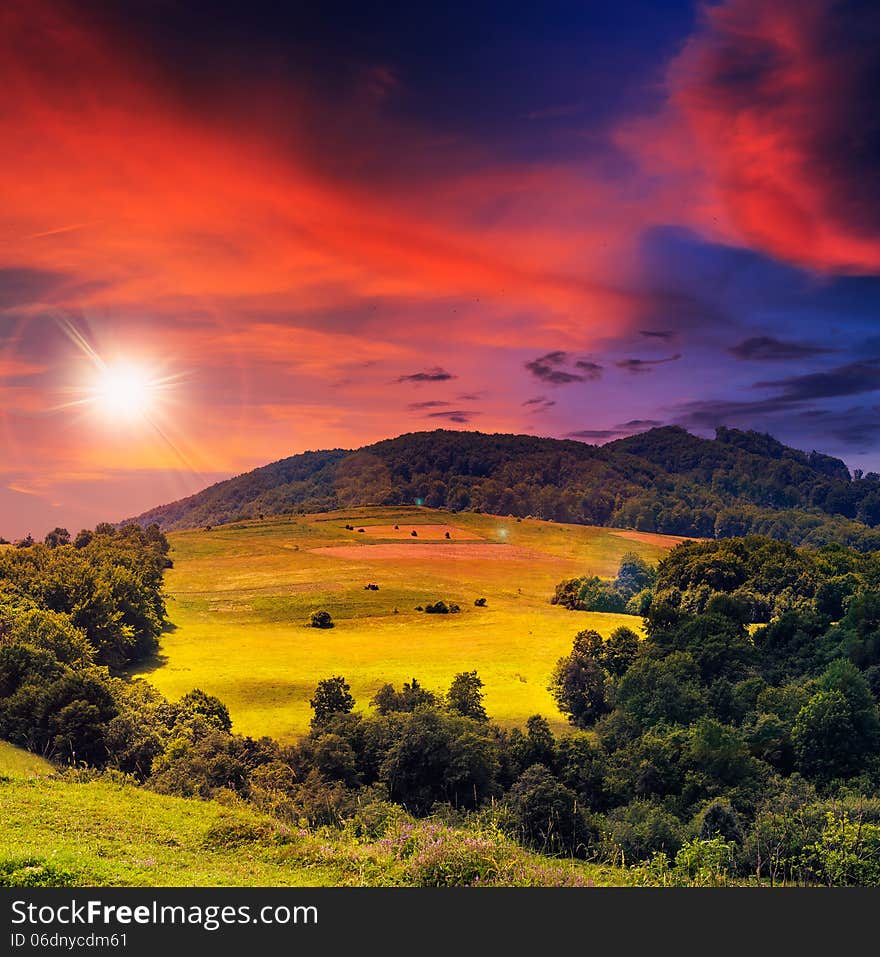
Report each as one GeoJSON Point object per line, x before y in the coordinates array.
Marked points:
{"type": "Point", "coordinates": [653, 538]}
{"type": "Point", "coordinates": [429, 533]}
{"type": "Point", "coordinates": [395, 551]}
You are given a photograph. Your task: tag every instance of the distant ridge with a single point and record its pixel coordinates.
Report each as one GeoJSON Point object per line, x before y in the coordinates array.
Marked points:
{"type": "Point", "coordinates": [664, 480]}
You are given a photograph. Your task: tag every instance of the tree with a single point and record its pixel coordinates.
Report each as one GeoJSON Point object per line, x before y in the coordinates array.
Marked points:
{"type": "Point", "coordinates": [198, 704]}
{"type": "Point", "coordinates": [440, 757]}
{"type": "Point", "coordinates": [465, 696]}
{"type": "Point", "coordinates": [719, 819]}
{"type": "Point", "coordinates": [641, 829]}
{"type": "Point", "coordinates": [634, 574]}
{"type": "Point", "coordinates": [332, 697]}
{"type": "Point", "coordinates": [536, 746]}
{"type": "Point", "coordinates": [388, 700]}
{"type": "Point", "coordinates": [320, 619]}
{"type": "Point", "coordinates": [662, 691]}
{"type": "Point", "coordinates": [838, 729]}
{"type": "Point", "coordinates": [620, 650]}
{"type": "Point", "coordinates": [58, 536]}
{"type": "Point", "coordinates": [547, 813]}
{"type": "Point", "coordinates": [578, 682]}
{"type": "Point", "coordinates": [335, 759]}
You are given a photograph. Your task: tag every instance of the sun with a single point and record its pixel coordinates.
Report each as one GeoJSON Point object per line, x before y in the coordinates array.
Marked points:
{"type": "Point", "coordinates": [125, 391]}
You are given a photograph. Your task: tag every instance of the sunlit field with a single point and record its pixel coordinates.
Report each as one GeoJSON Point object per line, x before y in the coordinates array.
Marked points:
{"type": "Point", "coordinates": [240, 597]}
{"type": "Point", "coordinates": [15, 762]}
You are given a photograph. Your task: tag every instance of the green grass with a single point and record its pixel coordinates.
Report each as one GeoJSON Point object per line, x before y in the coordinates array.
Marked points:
{"type": "Point", "coordinates": [240, 596]}
{"type": "Point", "coordinates": [65, 832]}
{"type": "Point", "coordinates": [15, 762]}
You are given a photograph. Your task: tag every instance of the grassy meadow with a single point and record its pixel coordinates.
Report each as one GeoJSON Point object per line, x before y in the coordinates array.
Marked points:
{"type": "Point", "coordinates": [15, 762]}
{"type": "Point", "coordinates": [100, 831]}
{"type": "Point", "coordinates": [240, 597]}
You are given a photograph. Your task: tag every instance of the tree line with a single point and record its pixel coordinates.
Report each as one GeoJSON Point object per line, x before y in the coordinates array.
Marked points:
{"type": "Point", "coordinates": [664, 480]}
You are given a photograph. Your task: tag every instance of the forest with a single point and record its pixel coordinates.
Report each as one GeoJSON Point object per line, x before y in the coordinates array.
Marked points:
{"type": "Point", "coordinates": [665, 480]}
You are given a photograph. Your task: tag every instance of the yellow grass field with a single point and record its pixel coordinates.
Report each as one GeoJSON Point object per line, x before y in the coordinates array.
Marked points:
{"type": "Point", "coordinates": [240, 596]}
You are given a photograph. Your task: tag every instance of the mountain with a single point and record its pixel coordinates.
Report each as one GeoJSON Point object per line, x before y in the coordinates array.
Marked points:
{"type": "Point", "coordinates": [664, 480]}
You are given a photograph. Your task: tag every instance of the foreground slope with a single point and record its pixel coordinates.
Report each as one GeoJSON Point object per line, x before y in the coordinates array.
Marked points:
{"type": "Point", "coordinates": [664, 480]}
{"type": "Point", "coordinates": [20, 763]}
{"type": "Point", "coordinates": [241, 595]}
{"type": "Point", "coordinates": [103, 832]}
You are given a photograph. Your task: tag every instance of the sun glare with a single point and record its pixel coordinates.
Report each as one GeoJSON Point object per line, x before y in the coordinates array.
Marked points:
{"type": "Point", "coordinates": [124, 391]}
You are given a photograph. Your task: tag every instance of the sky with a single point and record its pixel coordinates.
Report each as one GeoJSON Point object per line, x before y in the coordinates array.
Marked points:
{"type": "Point", "coordinates": [300, 226]}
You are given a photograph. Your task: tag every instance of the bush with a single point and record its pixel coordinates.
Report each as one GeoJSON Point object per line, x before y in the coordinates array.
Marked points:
{"type": "Point", "coordinates": [442, 608]}
{"type": "Point", "coordinates": [229, 832]}
{"type": "Point", "coordinates": [639, 830]}
{"type": "Point", "coordinates": [33, 872]}
{"type": "Point", "coordinates": [847, 853]}
{"type": "Point", "coordinates": [705, 863]}
{"type": "Point", "coordinates": [719, 819]}
{"type": "Point", "coordinates": [435, 855]}
{"type": "Point", "coordinates": [547, 814]}
{"type": "Point", "coordinates": [321, 619]}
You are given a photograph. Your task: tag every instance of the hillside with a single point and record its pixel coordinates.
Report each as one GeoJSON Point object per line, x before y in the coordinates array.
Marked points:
{"type": "Point", "coordinates": [102, 831]}
{"type": "Point", "coordinates": [16, 762]}
{"type": "Point", "coordinates": [241, 594]}
{"type": "Point", "coordinates": [665, 480]}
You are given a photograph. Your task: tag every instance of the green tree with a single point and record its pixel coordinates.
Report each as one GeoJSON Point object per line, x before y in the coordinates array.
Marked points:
{"type": "Point", "coordinates": [838, 729]}
{"type": "Point", "coordinates": [578, 682]}
{"type": "Point", "coordinates": [465, 696]}
{"type": "Point", "coordinates": [332, 697]}
{"type": "Point", "coordinates": [666, 690]}
{"type": "Point", "coordinates": [620, 650]}
{"type": "Point", "coordinates": [634, 574]}
{"type": "Point", "coordinates": [58, 536]}
{"type": "Point", "coordinates": [548, 815]}
{"type": "Point", "coordinates": [719, 819]}
{"type": "Point", "coordinates": [207, 707]}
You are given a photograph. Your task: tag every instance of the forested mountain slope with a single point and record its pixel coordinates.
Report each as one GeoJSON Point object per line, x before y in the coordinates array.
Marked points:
{"type": "Point", "coordinates": [665, 480]}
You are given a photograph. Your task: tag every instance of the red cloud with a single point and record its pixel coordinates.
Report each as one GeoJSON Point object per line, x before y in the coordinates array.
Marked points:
{"type": "Point", "coordinates": [116, 180]}
{"type": "Point", "coordinates": [779, 102]}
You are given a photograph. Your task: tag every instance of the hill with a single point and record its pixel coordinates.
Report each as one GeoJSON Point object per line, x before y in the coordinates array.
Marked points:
{"type": "Point", "coordinates": [90, 830]}
{"type": "Point", "coordinates": [240, 596]}
{"type": "Point", "coordinates": [664, 480]}
{"type": "Point", "coordinates": [16, 762]}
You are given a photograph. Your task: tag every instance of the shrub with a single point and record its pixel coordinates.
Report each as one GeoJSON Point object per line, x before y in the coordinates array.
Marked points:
{"type": "Point", "coordinates": [847, 853]}
{"type": "Point", "coordinates": [229, 832]}
{"type": "Point", "coordinates": [442, 608]}
{"type": "Point", "coordinates": [639, 830]}
{"type": "Point", "coordinates": [705, 863]}
{"type": "Point", "coordinates": [547, 814]}
{"type": "Point", "coordinates": [719, 819]}
{"type": "Point", "coordinates": [435, 855]}
{"type": "Point", "coordinates": [33, 872]}
{"type": "Point", "coordinates": [321, 619]}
